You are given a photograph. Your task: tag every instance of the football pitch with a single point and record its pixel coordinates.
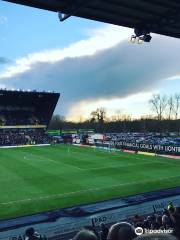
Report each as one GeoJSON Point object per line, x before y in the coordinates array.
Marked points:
{"type": "Point", "coordinates": [37, 179]}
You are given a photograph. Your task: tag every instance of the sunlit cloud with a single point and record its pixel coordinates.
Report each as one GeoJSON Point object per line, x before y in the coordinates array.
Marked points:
{"type": "Point", "coordinates": [124, 106]}
{"type": "Point", "coordinates": [98, 40]}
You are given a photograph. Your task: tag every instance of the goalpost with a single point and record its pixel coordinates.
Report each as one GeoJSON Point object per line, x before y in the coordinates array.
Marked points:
{"type": "Point", "coordinates": [108, 148]}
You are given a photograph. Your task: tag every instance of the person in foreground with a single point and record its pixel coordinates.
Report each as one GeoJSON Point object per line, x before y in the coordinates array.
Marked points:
{"type": "Point", "coordinates": [121, 231]}
{"type": "Point", "coordinates": [85, 234]}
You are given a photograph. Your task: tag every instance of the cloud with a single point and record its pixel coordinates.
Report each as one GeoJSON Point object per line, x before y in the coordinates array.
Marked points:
{"type": "Point", "coordinates": [105, 66]}
{"type": "Point", "coordinates": [98, 39]}
{"type": "Point", "coordinates": [4, 60]}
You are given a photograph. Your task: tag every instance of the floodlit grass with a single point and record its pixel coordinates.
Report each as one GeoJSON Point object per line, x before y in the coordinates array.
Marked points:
{"type": "Point", "coordinates": [36, 179]}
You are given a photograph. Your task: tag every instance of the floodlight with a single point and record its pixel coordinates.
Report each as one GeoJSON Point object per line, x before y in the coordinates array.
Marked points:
{"type": "Point", "coordinates": [133, 39]}
{"type": "Point", "coordinates": [140, 40]}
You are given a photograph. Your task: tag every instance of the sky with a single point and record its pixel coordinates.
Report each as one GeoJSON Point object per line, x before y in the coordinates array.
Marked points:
{"type": "Point", "coordinates": [91, 64]}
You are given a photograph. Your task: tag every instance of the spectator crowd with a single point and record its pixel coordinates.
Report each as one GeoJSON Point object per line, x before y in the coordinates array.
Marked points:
{"type": "Point", "coordinates": [157, 226]}
{"type": "Point", "coordinates": [13, 137]}
{"type": "Point", "coordinates": [147, 138]}
{"type": "Point", "coordinates": [12, 116]}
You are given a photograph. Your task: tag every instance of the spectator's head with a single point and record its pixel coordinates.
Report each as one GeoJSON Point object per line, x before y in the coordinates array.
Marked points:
{"type": "Point", "coordinates": [121, 231]}
{"type": "Point", "coordinates": [166, 221]}
{"type": "Point", "coordinates": [103, 227]}
{"type": "Point", "coordinates": [170, 205]}
{"type": "Point", "coordinates": [32, 235]}
{"type": "Point", "coordinates": [30, 232]}
{"type": "Point", "coordinates": [171, 208]}
{"type": "Point", "coordinates": [159, 219]}
{"type": "Point", "coordinates": [85, 235]}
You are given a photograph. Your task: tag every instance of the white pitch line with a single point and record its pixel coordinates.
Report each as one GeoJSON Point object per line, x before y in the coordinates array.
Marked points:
{"type": "Point", "coordinates": [59, 196]}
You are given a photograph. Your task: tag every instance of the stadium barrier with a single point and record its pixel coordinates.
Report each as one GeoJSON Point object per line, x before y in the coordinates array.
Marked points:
{"type": "Point", "coordinates": [141, 147]}
{"type": "Point", "coordinates": [64, 223]}
{"type": "Point", "coordinates": [20, 146]}
{"type": "Point", "coordinates": [146, 153]}
{"type": "Point", "coordinates": [169, 156]}
{"type": "Point", "coordinates": [128, 151]}
{"type": "Point", "coordinates": [23, 126]}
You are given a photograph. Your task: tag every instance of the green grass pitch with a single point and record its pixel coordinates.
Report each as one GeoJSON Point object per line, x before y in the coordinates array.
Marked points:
{"type": "Point", "coordinates": [37, 179]}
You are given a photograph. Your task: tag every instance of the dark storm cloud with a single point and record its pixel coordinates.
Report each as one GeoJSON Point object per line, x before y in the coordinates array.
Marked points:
{"type": "Point", "coordinates": [120, 71]}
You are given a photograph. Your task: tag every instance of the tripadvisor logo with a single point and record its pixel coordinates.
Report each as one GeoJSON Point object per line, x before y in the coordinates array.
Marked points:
{"type": "Point", "coordinates": [139, 231]}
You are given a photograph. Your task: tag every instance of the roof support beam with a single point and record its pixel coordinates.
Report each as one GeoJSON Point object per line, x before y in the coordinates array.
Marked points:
{"type": "Point", "coordinates": [63, 17]}
{"type": "Point", "coordinates": [72, 8]}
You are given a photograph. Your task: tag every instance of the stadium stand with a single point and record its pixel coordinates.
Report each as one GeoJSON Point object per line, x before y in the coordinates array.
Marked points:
{"type": "Point", "coordinates": [30, 136]}
{"type": "Point", "coordinates": [24, 117]}
{"type": "Point", "coordinates": [150, 138]}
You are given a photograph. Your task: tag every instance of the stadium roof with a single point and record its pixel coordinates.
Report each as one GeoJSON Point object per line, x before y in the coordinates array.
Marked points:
{"type": "Point", "coordinates": [158, 16]}
{"type": "Point", "coordinates": [43, 103]}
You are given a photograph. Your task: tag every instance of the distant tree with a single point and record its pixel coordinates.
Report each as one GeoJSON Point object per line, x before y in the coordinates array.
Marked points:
{"type": "Point", "coordinates": [170, 107]}
{"type": "Point", "coordinates": [93, 117]}
{"type": "Point", "coordinates": [176, 105]}
{"type": "Point", "coordinates": [99, 116]}
{"type": "Point", "coordinates": [126, 117]}
{"type": "Point", "coordinates": [57, 122]}
{"type": "Point", "coordinates": [158, 104]}
{"type": "Point", "coordinates": [118, 115]}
